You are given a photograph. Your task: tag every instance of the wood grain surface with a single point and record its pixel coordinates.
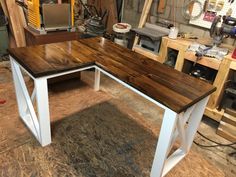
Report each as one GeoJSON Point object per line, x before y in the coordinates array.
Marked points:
{"type": "Point", "coordinates": [174, 89]}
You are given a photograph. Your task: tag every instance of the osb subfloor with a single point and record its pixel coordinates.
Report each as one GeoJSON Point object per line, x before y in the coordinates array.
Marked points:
{"type": "Point", "coordinates": [112, 132]}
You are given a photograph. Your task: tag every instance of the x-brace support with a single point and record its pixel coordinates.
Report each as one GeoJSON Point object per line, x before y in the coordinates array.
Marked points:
{"type": "Point", "coordinates": [182, 127]}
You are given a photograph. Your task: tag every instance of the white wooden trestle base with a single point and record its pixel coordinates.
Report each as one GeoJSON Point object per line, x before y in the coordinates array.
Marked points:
{"type": "Point", "coordinates": [175, 126]}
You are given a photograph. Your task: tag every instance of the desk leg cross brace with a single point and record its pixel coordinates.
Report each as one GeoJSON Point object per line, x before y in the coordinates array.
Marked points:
{"type": "Point", "coordinates": [39, 124]}
{"type": "Point", "coordinates": [181, 126]}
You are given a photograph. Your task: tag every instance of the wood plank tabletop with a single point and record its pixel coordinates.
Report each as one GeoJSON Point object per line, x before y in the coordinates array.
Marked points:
{"type": "Point", "coordinates": [172, 88]}
{"type": "Point", "coordinates": [48, 59]}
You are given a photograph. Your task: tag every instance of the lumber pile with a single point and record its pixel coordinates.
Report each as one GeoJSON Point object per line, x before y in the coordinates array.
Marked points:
{"type": "Point", "coordinates": [17, 22]}
{"type": "Point", "coordinates": [227, 127]}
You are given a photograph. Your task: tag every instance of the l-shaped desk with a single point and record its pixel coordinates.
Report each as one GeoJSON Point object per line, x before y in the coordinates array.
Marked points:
{"type": "Point", "coordinates": [183, 97]}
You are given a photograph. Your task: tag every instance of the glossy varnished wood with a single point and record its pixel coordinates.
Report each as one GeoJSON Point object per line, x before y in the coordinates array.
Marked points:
{"type": "Point", "coordinates": [44, 60]}
{"type": "Point", "coordinates": [170, 87]}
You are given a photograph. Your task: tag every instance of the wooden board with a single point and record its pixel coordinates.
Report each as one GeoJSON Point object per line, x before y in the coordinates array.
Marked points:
{"type": "Point", "coordinates": [17, 21]}
{"type": "Point", "coordinates": [12, 41]}
{"type": "Point", "coordinates": [172, 88]}
{"type": "Point", "coordinates": [227, 131]}
{"type": "Point", "coordinates": [143, 19]}
{"type": "Point", "coordinates": [111, 6]}
{"type": "Point", "coordinates": [161, 6]}
{"type": "Point", "coordinates": [227, 127]}
{"type": "Point", "coordinates": [214, 114]}
{"type": "Point", "coordinates": [53, 58]}
{"type": "Point", "coordinates": [4, 8]}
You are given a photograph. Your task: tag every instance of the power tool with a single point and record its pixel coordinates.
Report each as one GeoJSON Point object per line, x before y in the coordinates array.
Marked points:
{"type": "Point", "coordinates": [222, 27]}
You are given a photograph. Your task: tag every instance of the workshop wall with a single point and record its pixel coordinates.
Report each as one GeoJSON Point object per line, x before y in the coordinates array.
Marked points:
{"type": "Point", "coordinates": [173, 10]}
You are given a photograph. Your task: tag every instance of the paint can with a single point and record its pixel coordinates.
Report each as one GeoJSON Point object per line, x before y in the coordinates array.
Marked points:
{"type": "Point", "coordinates": [121, 29]}
{"type": "Point", "coordinates": [173, 33]}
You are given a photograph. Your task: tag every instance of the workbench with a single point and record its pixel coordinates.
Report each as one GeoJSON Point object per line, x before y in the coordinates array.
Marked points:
{"type": "Point", "coordinates": [182, 97]}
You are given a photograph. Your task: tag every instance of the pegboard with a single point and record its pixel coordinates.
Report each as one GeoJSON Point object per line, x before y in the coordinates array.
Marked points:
{"type": "Point", "coordinates": [205, 20]}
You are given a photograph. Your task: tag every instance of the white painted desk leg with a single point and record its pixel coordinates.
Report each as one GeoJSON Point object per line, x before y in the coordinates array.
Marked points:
{"type": "Point", "coordinates": [38, 125]}
{"type": "Point", "coordinates": [97, 79]}
{"type": "Point", "coordinates": [41, 89]}
{"type": "Point", "coordinates": [164, 142]}
{"type": "Point", "coordinates": [185, 125]}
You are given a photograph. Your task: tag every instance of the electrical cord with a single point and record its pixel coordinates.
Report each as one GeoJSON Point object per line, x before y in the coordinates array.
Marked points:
{"type": "Point", "coordinates": [210, 146]}
{"type": "Point", "coordinates": [217, 143]}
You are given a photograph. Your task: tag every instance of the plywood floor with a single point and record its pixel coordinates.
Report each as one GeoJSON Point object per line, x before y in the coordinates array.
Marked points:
{"type": "Point", "coordinates": [94, 134]}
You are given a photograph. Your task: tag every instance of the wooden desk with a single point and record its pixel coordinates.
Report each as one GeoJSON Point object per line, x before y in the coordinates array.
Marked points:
{"type": "Point", "coordinates": [182, 97]}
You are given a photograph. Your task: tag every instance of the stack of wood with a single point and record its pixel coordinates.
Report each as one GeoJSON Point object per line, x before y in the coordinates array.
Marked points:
{"type": "Point", "coordinates": [17, 22]}
{"type": "Point", "coordinates": [227, 128]}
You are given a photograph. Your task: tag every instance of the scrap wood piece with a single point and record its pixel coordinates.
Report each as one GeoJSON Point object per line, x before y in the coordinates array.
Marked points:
{"type": "Point", "coordinates": [17, 22]}
{"type": "Point", "coordinates": [161, 6]}
{"type": "Point", "coordinates": [111, 6]}
{"type": "Point", "coordinates": [4, 8]}
{"type": "Point", "coordinates": [12, 43]}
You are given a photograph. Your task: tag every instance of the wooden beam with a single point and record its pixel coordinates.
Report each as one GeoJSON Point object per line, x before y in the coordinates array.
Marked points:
{"type": "Point", "coordinates": [17, 22]}
{"type": "Point", "coordinates": [4, 8]}
{"type": "Point", "coordinates": [143, 19]}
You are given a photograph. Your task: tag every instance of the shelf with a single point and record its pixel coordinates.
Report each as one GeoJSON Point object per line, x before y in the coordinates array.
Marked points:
{"type": "Point", "coordinates": [205, 61]}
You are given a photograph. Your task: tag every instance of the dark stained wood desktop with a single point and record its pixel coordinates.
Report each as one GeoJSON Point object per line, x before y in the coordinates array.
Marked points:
{"type": "Point", "coordinates": [172, 88]}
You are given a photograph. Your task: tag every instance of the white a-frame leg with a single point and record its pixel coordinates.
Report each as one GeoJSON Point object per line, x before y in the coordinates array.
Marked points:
{"type": "Point", "coordinates": [38, 124]}
{"type": "Point", "coordinates": [175, 126]}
